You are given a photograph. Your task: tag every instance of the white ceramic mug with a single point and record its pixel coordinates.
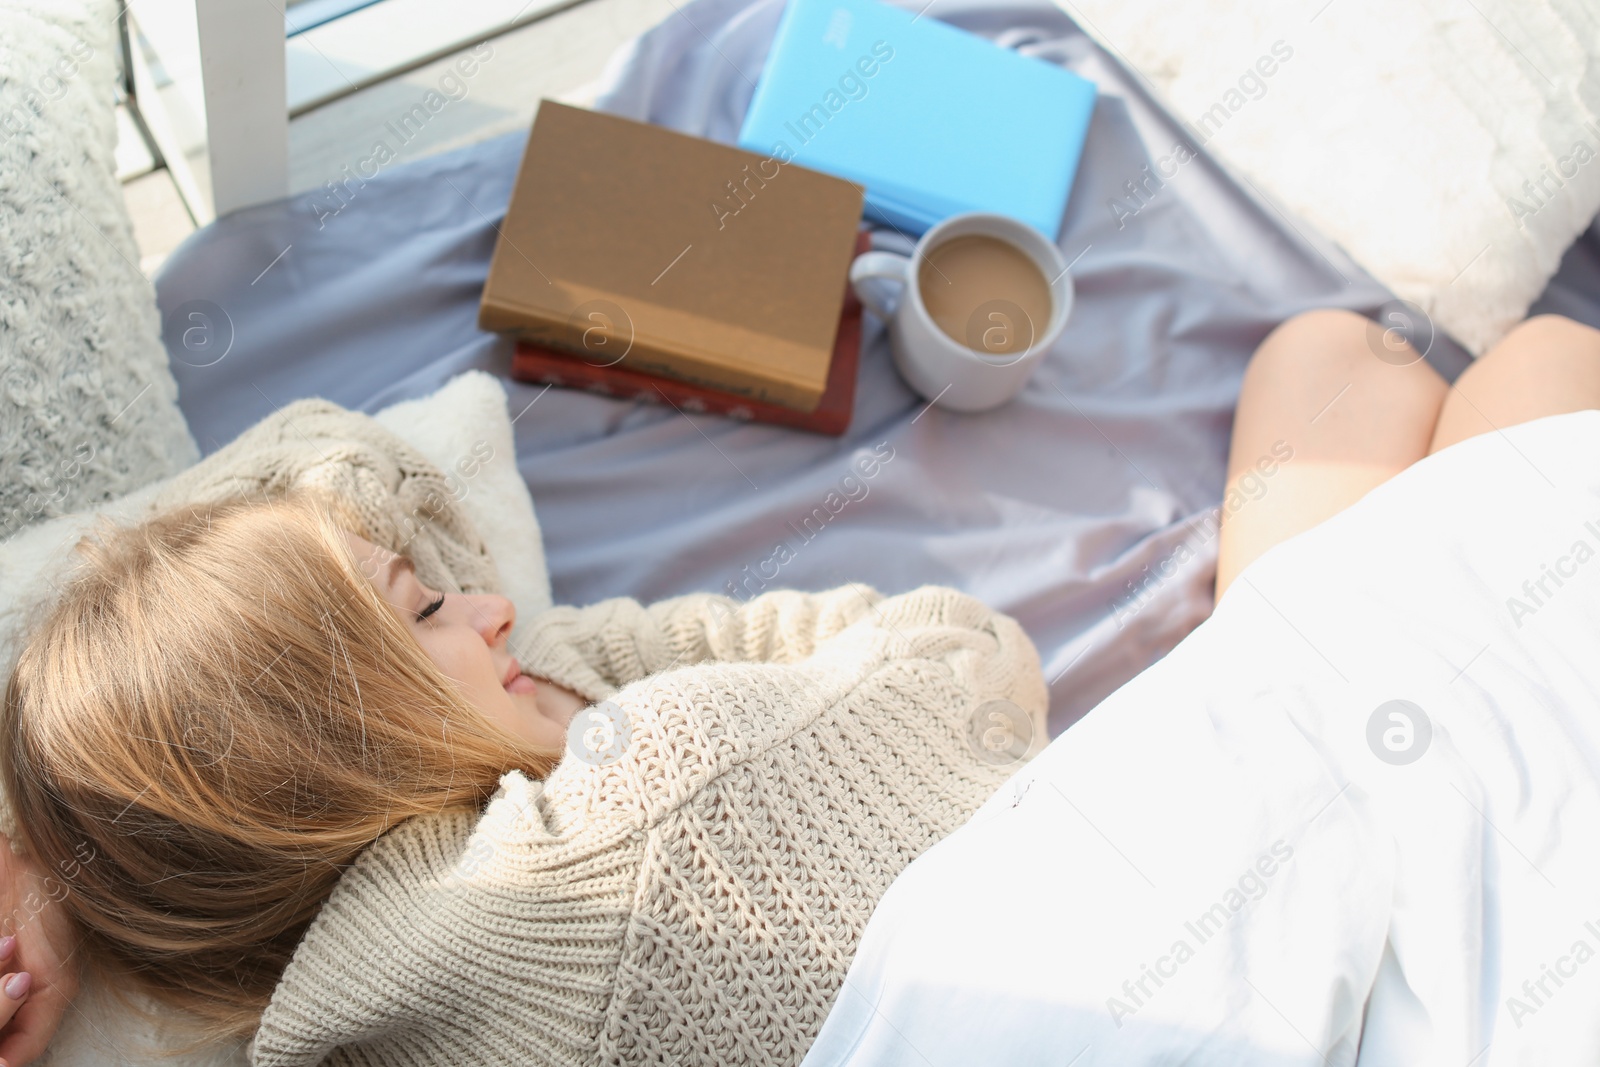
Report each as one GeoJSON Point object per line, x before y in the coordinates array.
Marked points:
{"type": "Point", "coordinates": [951, 374]}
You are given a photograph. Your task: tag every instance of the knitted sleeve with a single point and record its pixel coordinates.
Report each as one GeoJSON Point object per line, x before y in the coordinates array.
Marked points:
{"type": "Point", "coordinates": [697, 898]}
{"type": "Point", "coordinates": [598, 649]}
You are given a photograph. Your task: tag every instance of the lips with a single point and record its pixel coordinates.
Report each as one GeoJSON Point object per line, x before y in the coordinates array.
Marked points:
{"type": "Point", "coordinates": [515, 681]}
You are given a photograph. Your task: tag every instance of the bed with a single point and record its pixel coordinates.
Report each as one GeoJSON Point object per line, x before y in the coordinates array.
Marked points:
{"type": "Point", "coordinates": [1081, 509]}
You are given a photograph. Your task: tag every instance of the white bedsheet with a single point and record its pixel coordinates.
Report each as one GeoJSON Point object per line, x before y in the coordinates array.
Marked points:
{"type": "Point", "coordinates": [1442, 912]}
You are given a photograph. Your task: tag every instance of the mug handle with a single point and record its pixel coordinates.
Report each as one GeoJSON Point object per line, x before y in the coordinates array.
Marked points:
{"type": "Point", "coordinates": [890, 266]}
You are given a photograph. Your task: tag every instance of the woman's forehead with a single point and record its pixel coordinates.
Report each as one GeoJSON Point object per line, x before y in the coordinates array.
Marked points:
{"type": "Point", "coordinates": [377, 563]}
{"type": "Point", "coordinates": [362, 547]}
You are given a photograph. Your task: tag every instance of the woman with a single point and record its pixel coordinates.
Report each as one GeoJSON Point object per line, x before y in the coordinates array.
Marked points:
{"type": "Point", "coordinates": [251, 751]}
{"type": "Point", "coordinates": [1352, 420]}
{"type": "Point", "coordinates": [1349, 819]}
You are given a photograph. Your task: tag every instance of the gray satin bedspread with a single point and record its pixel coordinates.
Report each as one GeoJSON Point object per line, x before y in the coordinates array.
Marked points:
{"type": "Point", "coordinates": [1057, 508]}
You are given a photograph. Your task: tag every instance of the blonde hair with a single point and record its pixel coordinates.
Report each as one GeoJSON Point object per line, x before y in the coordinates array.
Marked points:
{"type": "Point", "coordinates": [217, 717]}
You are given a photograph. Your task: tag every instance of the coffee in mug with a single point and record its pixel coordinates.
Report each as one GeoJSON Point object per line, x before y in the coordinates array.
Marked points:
{"type": "Point", "coordinates": [983, 298]}
{"type": "Point", "coordinates": [985, 293]}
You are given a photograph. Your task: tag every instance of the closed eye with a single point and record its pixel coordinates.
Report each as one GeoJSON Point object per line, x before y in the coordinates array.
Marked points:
{"type": "Point", "coordinates": [431, 608]}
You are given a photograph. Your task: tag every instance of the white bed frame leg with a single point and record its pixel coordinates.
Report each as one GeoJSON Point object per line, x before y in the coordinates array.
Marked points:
{"type": "Point", "coordinates": [247, 112]}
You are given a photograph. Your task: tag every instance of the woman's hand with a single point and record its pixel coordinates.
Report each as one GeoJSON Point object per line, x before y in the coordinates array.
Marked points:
{"type": "Point", "coordinates": [557, 702]}
{"type": "Point", "coordinates": [38, 972]}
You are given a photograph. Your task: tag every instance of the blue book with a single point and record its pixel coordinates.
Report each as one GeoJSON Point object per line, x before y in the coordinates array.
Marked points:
{"type": "Point", "coordinates": [933, 121]}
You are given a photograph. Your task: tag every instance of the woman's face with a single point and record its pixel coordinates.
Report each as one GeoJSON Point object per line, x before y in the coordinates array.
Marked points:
{"type": "Point", "coordinates": [465, 637]}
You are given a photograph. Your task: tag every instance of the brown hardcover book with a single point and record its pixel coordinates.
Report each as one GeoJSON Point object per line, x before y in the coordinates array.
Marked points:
{"type": "Point", "coordinates": [675, 256]}
{"type": "Point", "coordinates": [548, 366]}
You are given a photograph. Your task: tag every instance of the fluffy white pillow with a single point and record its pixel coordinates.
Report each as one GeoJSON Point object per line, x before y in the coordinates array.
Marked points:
{"type": "Point", "coordinates": [88, 408]}
{"type": "Point", "coordinates": [465, 420]}
{"type": "Point", "coordinates": [1450, 148]}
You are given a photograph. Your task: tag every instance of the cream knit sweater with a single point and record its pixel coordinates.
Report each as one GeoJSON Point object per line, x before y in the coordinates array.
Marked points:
{"type": "Point", "coordinates": [697, 899]}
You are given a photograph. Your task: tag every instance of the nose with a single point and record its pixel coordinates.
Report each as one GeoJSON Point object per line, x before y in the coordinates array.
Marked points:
{"type": "Point", "coordinates": [493, 617]}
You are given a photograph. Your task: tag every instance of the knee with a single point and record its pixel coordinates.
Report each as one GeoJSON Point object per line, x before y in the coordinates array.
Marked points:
{"type": "Point", "coordinates": [1537, 353]}
{"type": "Point", "coordinates": [1543, 334]}
{"type": "Point", "coordinates": [1327, 341]}
{"type": "Point", "coordinates": [1320, 330]}
{"type": "Point", "coordinates": [1326, 353]}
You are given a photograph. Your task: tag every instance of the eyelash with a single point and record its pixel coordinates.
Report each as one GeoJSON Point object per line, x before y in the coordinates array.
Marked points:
{"type": "Point", "coordinates": [431, 608]}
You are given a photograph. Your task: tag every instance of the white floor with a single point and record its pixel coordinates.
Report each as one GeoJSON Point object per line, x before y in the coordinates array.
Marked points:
{"type": "Point", "coordinates": [559, 57]}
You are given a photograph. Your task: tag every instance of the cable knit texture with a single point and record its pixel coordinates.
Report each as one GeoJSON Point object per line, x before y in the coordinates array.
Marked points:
{"type": "Point", "coordinates": [697, 899]}
{"type": "Point", "coordinates": [405, 503]}
{"type": "Point", "coordinates": [88, 408]}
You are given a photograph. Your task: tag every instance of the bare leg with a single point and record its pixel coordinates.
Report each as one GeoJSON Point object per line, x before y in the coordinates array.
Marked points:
{"type": "Point", "coordinates": [1321, 420]}
{"type": "Point", "coordinates": [1548, 365]}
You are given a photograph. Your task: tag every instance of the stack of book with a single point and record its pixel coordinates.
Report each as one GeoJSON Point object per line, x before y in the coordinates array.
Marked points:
{"type": "Point", "coordinates": [648, 264]}
{"type": "Point", "coordinates": [645, 264]}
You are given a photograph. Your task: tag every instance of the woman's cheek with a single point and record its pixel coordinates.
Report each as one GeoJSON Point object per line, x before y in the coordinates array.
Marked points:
{"type": "Point", "coordinates": [470, 667]}
{"type": "Point", "coordinates": [438, 652]}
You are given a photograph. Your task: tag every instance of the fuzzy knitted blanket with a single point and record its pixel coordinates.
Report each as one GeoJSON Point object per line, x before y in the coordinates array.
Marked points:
{"type": "Point", "coordinates": [690, 889]}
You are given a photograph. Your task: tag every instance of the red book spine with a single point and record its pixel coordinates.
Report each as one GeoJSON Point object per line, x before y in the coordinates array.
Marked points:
{"type": "Point", "coordinates": [546, 366]}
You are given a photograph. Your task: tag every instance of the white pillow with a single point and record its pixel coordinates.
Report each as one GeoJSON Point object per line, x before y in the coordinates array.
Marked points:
{"type": "Point", "coordinates": [1450, 148]}
{"type": "Point", "coordinates": [88, 407]}
{"type": "Point", "coordinates": [466, 417]}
